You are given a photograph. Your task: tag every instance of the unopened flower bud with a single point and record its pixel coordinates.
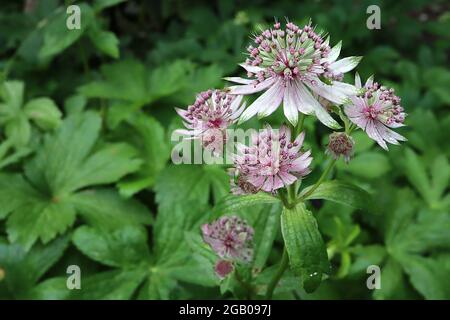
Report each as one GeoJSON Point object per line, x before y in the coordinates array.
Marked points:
{"type": "Point", "coordinates": [339, 144]}
{"type": "Point", "coordinates": [223, 268]}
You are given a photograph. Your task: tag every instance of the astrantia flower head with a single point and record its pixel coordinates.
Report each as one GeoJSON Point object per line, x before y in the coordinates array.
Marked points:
{"type": "Point", "coordinates": [375, 111]}
{"type": "Point", "coordinates": [339, 144]}
{"type": "Point", "coordinates": [272, 161]}
{"type": "Point", "coordinates": [230, 237]}
{"type": "Point", "coordinates": [208, 118]}
{"type": "Point", "coordinates": [291, 63]}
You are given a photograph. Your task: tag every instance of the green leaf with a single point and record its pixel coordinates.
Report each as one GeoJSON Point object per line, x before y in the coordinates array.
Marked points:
{"type": "Point", "coordinates": [150, 139]}
{"type": "Point", "coordinates": [64, 164]}
{"type": "Point", "coordinates": [200, 268]}
{"type": "Point", "coordinates": [440, 175]}
{"type": "Point", "coordinates": [62, 154]}
{"type": "Point", "coordinates": [392, 282]}
{"type": "Point", "coordinates": [368, 165]}
{"type": "Point", "coordinates": [429, 276]}
{"type": "Point", "coordinates": [50, 289]}
{"type": "Point", "coordinates": [104, 208]}
{"type": "Point", "coordinates": [23, 269]}
{"type": "Point", "coordinates": [131, 82]}
{"type": "Point", "coordinates": [366, 256]}
{"type": "Point", "coordinates": [200, 80]}
{"type": "Point", "coordinates": [61, 167]}
{"type": "Point", "coordinates": [106, 42]}
{"type": "Point", "coordinates": [362, 141]}
{"type": "Point", "coordinates": [416, 174]}
{"type": "Point", "coordinates": [58, 37]}
{"type": "Point", "coordinates": [158, 286]}
{"type": "Point", "coordinates": [400, 217]}
{"type": "Point", "coordinates": [340, 192]}
{"type": "Point", "coordinates": [306, 250]}
{"type": "Point", "coordinates": [186, 183]}
{"type": "Point", "coordinates": [44, 112]}
{"type": "Point", "coordinates": [18, 130]}
{"type": "Point", "coordinates": [39, 219]}
{"type": "Point", "coordinates": [428, 233]}
{"type": "Point", "coordinates": [99, 5]}
{"type": "Point", "coordinates": [437, 79]}
{"type": "Point", "coordinates": [12, 93]}
{"type": "Point", "coordinates": [266, 229]}
{"type": "Point", "coordinates": [75, 104]}
{"type": "Point", "coordinates": [14, 192]}
{"type": "Point", "coordinates": [122, 247]}
{"type": "Point", "coordinates": [168, 79]}
{"type": "Point", "coordinates": [232, 203]}
{"type": "Point", "coordinates": [14, 157]}
{"type": "Point", "coordinates": [169, 227]}
{"type": "Point", "coordinates": [110, 285]}
{"type": "Point", "coordinates": [98, 168]}
{"type": "Point", "coordinates": [125, 80]}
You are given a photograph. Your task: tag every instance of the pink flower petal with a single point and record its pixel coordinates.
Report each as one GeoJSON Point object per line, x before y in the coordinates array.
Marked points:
{"type": "Point", "coordinates": [266, 103]}
{"type": "Point", "coordinates": [290, 103]}
{"type": "Point", "coordinates": [373, 133]}
{"type": "Point", "coordinates": [309, 102]}
{"type": "Point", "coordinates": [252, 69]}
{"type": "Point", "coordinates": [345, 65]}
{"type": "Point", "coordinates": [268, 184]}
{"type": "Point", "coordinates": [251, 88]}
{"type": "Point", "coordinates": [287, 178]}
{"type": "Point", "coordinates": [239, 80]}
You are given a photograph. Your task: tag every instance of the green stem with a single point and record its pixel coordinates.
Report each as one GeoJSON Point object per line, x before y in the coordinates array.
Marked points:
{"type": "Point", "coordinates": [321, 179]}
{"type": "Point", "coordinates": [84, 59]}
{"type": "Point", "coordinates": [299, 126]}
{"type": "Point", "coordinates": [276, 278]}
{"type": "Point", "coordinates": [283, 198]}
{"type": "Point", "coordinates": [292, 190]}
{"type": "Point", "coordinates": [247, 287]}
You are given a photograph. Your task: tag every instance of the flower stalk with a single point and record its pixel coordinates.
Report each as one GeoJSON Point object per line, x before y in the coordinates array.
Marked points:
{"type": "Point", "coordinates": [321, 179]}
{"type": "Point", "coordinates": [276, 278]}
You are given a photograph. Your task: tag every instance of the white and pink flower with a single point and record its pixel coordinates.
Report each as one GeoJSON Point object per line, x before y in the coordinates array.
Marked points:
{"type": "Point", "coordinates": [231, 238]}
{"type": "Point", "coordinates": [292, 65]}
{"type": "Point", "coordinates": [271, 162]}
{"type": "Point", "coordinates": [208, 118]}
{"type": "Point", "coordinates": [376, 111]}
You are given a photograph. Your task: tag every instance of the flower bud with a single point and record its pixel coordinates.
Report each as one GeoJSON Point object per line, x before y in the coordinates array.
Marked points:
{"type": "Point", "coordinates": [223, 268]}
{"type": "Point", "coordinates": [2, 274]}
{"type": "Point", "coordinates": [339, 144]}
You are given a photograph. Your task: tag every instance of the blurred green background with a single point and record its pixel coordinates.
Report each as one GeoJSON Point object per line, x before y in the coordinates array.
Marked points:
{"type": "Point", "coordinates": [85, 173]}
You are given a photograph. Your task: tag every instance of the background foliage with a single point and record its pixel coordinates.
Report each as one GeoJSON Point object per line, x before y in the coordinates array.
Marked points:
{"type": "Point", "coordinates": [85, 175]}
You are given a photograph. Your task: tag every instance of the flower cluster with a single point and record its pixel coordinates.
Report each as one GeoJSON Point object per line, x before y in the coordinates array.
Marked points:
{"type": "Point", "coordinates": [271, 162]}
{"type": "Point", "coordinates": [211, 114]}
{"type": "Point", "coordinates": [231, 238]}
{"type": "Point", "coordinates": [292, 64]}
{"type": "Point", "coordinates": [375, 111]}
